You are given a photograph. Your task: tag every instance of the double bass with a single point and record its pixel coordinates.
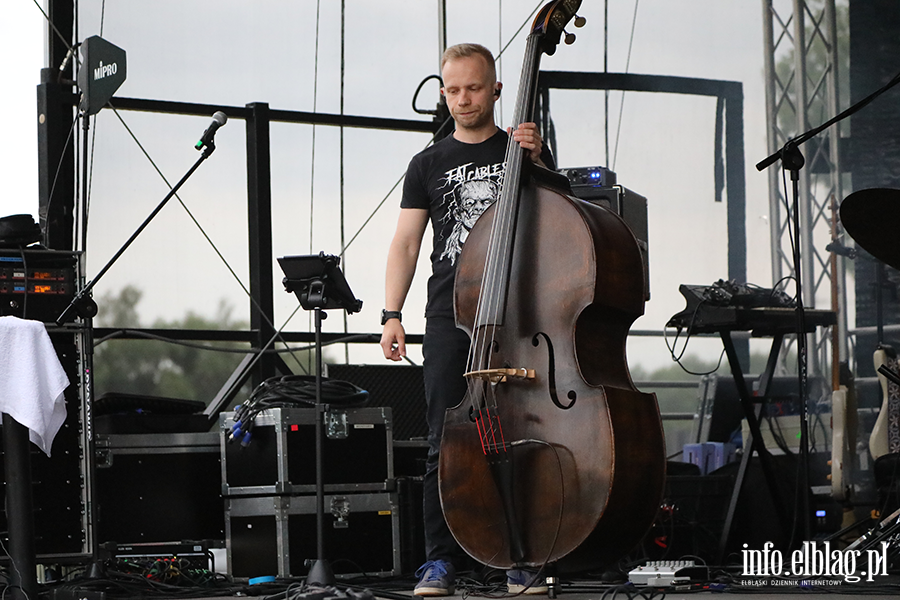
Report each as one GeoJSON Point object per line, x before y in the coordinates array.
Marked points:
{"type": "Point", "coordinates": [553, 449]}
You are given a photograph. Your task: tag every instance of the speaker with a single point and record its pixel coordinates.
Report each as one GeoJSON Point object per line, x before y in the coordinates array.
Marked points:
{"type": "Point", "coordinates": [691, 515]}
{"type": "Point", "coordinates": [629, 205]}
{"type": "Point", "coordinates": [756, 517]}
{"type": "Point", "coordinates": [399, 387]}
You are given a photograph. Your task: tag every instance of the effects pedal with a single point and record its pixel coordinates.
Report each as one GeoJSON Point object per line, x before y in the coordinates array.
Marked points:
{"type": "Point", "coordinates": [665, 573]}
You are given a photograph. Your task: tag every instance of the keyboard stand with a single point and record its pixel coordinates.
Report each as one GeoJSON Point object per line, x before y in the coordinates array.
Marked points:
{"type": "Point", "coordinates": [761, 322]}
{"type": "Point", "coordinates": [755, 441]}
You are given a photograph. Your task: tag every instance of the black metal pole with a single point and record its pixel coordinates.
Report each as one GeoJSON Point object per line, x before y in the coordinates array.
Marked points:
{"type": "Point", "coordinates": [320, 443]}
{"type": "Point", "coordinates": [259, 236]}
{"type": "Point", "coordinates": [320, 573]}
{"type": "Point", "coordinates": [19, 510]}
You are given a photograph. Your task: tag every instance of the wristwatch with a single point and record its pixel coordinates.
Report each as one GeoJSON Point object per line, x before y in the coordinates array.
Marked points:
{"type": "Point", "coordinates": [390, 314]}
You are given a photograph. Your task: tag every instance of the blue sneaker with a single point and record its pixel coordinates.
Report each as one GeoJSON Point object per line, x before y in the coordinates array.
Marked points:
{"type": "Point", "coordinates": [521, 581]}
{"type": "Point", "coordinates": [436, 578]}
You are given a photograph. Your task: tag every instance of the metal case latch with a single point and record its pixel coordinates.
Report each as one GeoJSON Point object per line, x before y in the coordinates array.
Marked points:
{"type": "Point", "coordinates": [340, 510]}
{"type": "Point", "coordinates": [336, 425]}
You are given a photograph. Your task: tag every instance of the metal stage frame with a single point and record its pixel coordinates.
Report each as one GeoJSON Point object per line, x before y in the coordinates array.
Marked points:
{"type": "Point", "coordinates": [258, 117]}
{"type": "Point", "coordinates": [792, 29]}
{"type": "Point", "coordinates": [728, 169]}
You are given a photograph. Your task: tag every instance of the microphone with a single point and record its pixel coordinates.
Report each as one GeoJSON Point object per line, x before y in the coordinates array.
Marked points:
{"type": "Point", "coordinates": [841, 250]}
{"type": "Point", "coordinates": [219, 119]}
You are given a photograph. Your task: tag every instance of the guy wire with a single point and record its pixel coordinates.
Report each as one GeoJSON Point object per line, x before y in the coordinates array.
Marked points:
{"type": "Point", "coordinates": [447, 122]}
{"type": "Point", "coordinates": [622, 103]}
{"type": "Point", "coordinates": [312, 163]}
{"type": "Point", "coordinates": [205, 235]}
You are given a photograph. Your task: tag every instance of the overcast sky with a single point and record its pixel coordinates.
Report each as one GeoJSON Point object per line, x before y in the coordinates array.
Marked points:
{"type": "Point", "coordinates": [234, 52]}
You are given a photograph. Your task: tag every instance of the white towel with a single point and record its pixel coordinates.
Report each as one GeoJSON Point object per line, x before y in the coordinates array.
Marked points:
{"type": "Point", "coordinates": [32, 381]}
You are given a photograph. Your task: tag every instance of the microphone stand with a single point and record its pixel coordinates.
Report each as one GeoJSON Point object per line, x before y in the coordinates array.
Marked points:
{"type": "Point", "coordinates": [82, 304]}
{"type": "Point", "coordinates": [792, 160]}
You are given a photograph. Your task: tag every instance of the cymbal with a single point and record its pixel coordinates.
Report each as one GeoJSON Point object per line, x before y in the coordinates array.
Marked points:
{"type": "Point", "coordinates": [872, 218]}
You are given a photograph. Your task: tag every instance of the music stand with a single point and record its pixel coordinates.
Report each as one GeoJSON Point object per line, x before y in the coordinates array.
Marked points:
{"type": "Point", "coordinates": [311, 276]}
{"type": "Point", "coordinates": [319, 285]}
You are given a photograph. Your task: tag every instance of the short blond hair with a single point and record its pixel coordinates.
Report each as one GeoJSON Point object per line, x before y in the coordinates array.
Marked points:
{"type": "Point", "coordinates": [465, 50]}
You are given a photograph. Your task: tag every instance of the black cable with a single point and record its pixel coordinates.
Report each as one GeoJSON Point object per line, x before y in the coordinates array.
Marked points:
{"type": "Point", "coordinates": [59, 164]}
{"type": "Point", "coordinates": [168, 340]}
{"type": "Point", "coordinates": [777, 433]}
{"type": "Point", "coordinates": [678, 334]}
{"type": "Point", "coordinates": [677, 359]}
{"type": "Point", "coordinates": [701, 373]}
{"type": "Point", "coordinates": [632, 593]}
{"type": "Point", "coordinates": [784, 279]}
{"type": "Point", "coordinates": [819, 423]}
{"type": "Point", "coordinates": [424, 111]}
{"type": "Point", "coordinates": [788, 216]}
{"type": "Point", "coordinates": [290, 392]}
{"type": "Point", "coordinates": [14, 567]}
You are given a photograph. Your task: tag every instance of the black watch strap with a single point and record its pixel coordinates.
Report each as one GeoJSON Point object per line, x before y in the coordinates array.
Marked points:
{"type": "Point", "coordinates": [390, 314]}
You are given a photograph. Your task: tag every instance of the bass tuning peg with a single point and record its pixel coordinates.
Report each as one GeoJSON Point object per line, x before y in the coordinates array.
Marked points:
{"type": "Point", "coordinates": [580, 21]}
{"type": "Point", "coordinates": [570, 38]}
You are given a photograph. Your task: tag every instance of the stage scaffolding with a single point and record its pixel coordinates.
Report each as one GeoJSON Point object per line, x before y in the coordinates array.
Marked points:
{"type": "Point", "coordinates": [801, 81]}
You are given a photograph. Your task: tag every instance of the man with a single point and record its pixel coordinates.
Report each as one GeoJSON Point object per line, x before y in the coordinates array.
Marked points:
{"type": "Point", "coordinates": [451, 184]}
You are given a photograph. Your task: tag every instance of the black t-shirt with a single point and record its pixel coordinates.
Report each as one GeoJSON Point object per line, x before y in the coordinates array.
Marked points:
{"type": "Point", "coordinates": [455, 182]}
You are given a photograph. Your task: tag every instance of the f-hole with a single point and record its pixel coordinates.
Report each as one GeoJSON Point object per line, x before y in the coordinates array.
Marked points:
{"type": "Point", "coordinates": [551, 372]}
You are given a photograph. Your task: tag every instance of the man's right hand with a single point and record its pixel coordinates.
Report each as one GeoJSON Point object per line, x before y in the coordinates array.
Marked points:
{"type": "Point", "coordinates": [393, 340]}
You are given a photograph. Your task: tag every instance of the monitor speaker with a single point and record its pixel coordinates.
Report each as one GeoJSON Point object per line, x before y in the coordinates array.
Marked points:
{"type": "Point", "coordinates": [399, 387]}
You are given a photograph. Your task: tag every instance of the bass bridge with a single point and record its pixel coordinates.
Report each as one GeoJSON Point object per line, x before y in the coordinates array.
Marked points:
{"type": "Point", "coordinates": [500, 375]}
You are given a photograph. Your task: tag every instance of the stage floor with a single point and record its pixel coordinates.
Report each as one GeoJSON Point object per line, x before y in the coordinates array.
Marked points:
{"type": "Point", "coordinates": [572, 589]}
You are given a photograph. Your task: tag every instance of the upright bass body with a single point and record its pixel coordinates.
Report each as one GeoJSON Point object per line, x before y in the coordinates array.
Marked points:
{"type": "Point", "coordinates": [585, 451]}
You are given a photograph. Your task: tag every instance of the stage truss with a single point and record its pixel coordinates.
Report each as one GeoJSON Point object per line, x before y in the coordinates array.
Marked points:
{"type": "Point", "coordinates": [801, 78]}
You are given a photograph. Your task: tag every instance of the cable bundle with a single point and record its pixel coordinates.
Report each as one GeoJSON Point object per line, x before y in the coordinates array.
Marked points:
{"type": "Point", "coordinates": [292, 391]}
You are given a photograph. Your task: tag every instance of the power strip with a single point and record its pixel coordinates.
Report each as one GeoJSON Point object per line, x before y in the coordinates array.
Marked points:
{"type": "Point", "coordinates": [662, 573]}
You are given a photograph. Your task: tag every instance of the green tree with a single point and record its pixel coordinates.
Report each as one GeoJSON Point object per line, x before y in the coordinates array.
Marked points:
{"type": "Point", "coordinates": [163, 368]}
{"type": "Point", "coordinates": [686, 399]}
{"type": "Point", "coordinates": [817, 61]}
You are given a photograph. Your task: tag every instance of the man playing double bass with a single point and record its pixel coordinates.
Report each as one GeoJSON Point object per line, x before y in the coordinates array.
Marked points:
{"type": "Point", "coordinates": [450, 184]}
